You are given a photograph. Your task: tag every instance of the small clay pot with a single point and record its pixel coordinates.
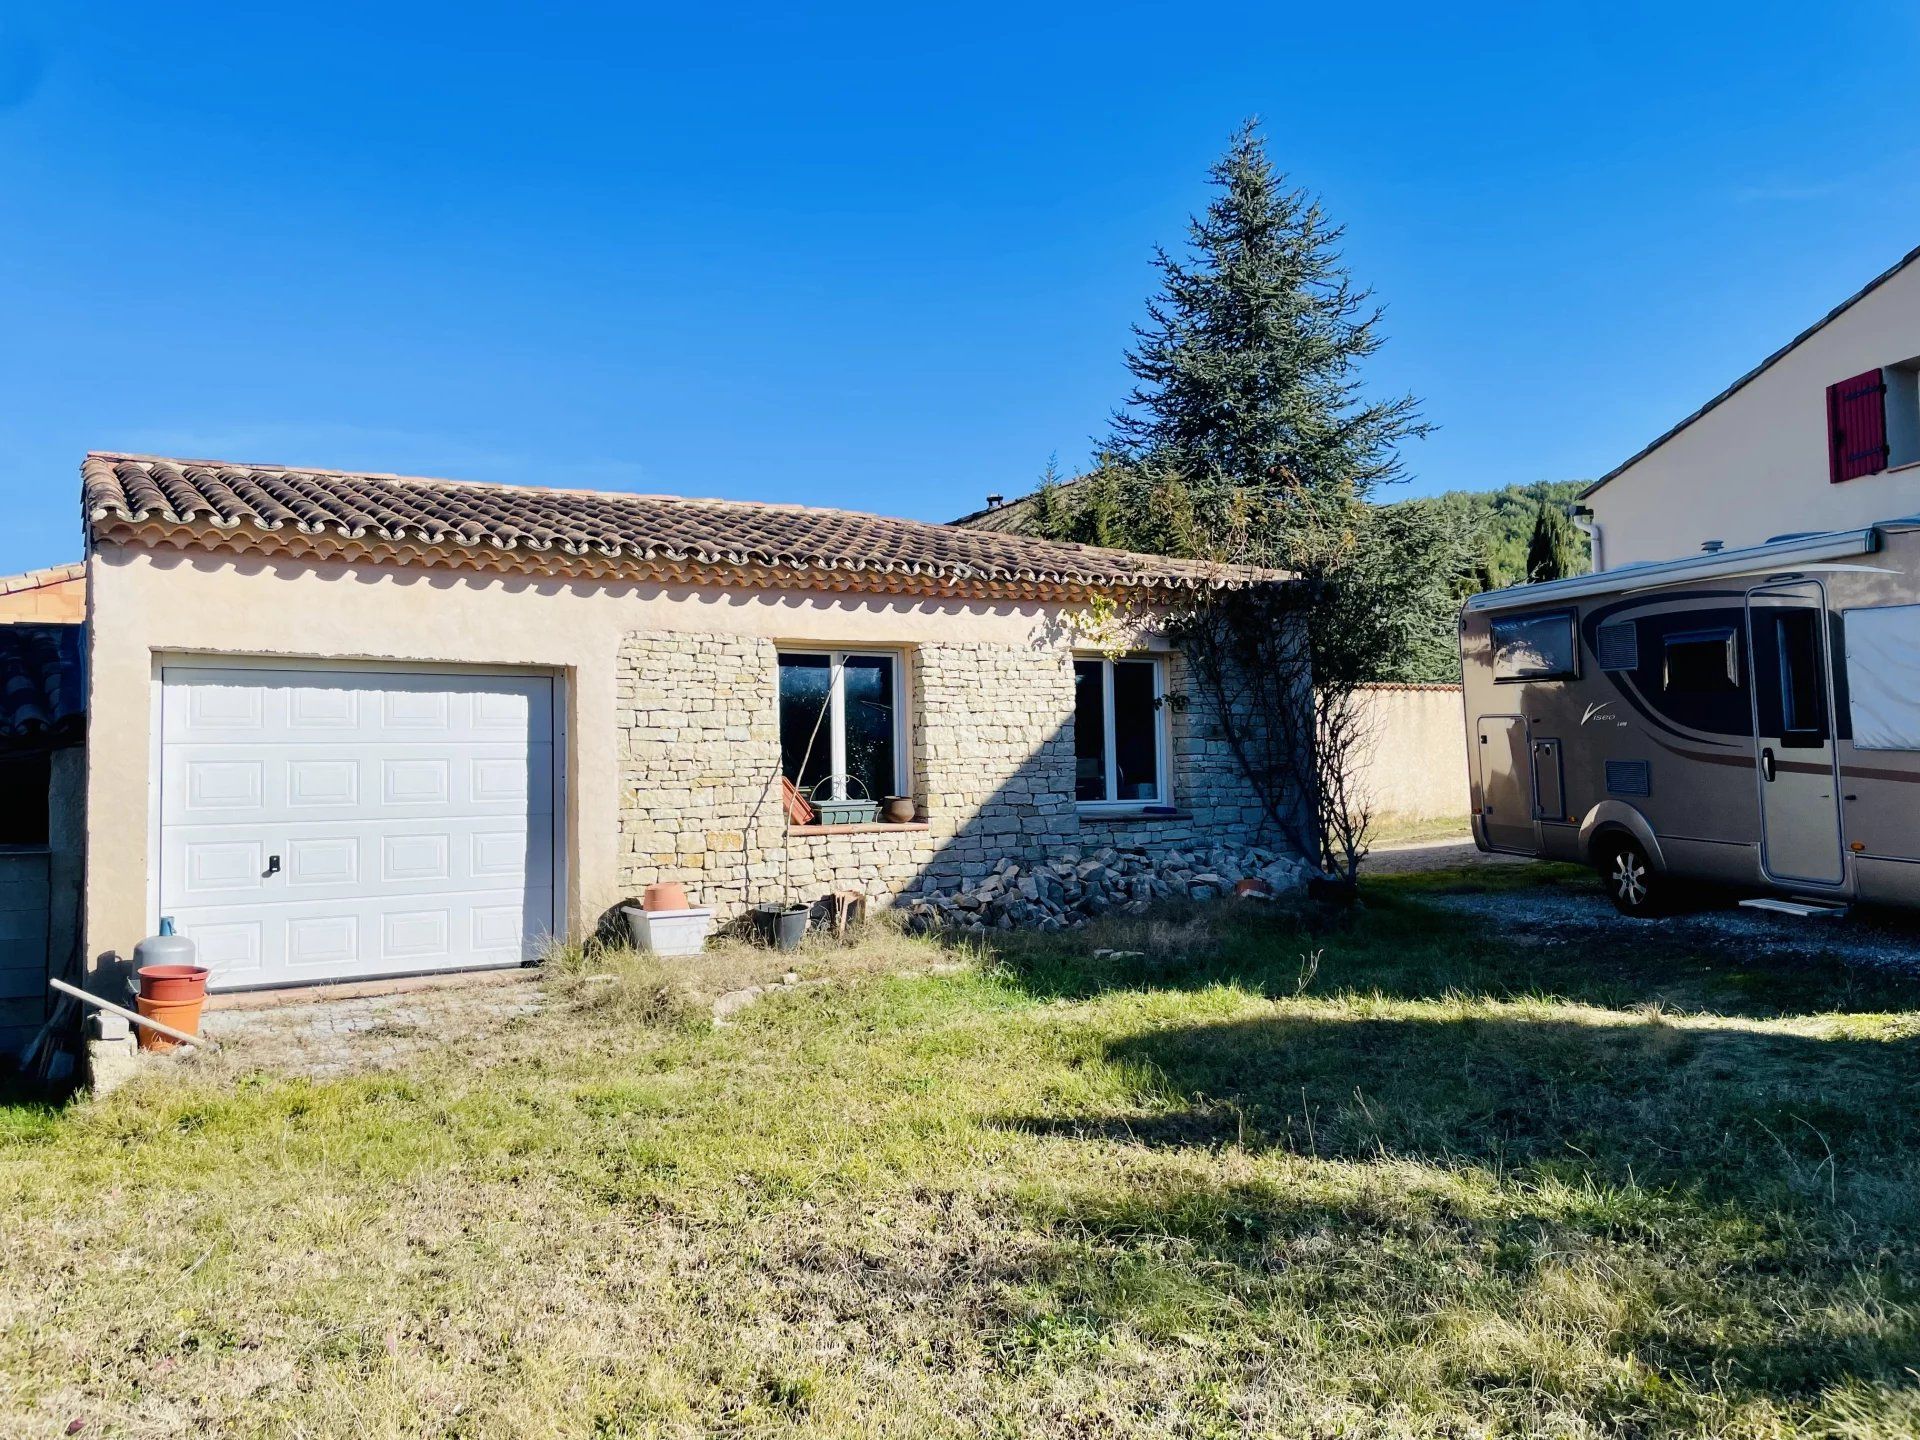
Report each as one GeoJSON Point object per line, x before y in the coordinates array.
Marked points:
{"type": "Point", "coordinates": [668, 895]}
{"type": "Point", "coordinates": [180, 1014]}
{"type": "Point", "coordinates": [170, 984]}
{"type": "Point", "coordinates": [898, 810]}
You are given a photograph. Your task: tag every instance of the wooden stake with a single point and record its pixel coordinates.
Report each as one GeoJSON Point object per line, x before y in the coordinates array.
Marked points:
{"type": "Point", "coordinates": [134, 1015]}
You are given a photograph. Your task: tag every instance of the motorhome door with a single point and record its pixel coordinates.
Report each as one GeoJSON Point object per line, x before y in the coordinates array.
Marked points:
{"type": "Point", "coordinates": [1506, 783]}
{"type": "Point", "coordinates": [1793, 733]}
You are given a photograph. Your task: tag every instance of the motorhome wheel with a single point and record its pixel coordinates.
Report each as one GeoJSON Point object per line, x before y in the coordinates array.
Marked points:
{"type": "Point", "coordinates": [1632, 883]}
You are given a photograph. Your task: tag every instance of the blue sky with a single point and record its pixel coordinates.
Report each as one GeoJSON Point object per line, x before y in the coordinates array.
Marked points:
{"type": "Point", "coordinates": [886, 257]}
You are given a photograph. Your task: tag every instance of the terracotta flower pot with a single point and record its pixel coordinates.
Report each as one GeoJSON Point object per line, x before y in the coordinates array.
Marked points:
{"type": "Point", "coordinates": [180, 1014]}
{"type": "Point", "coordinates": [668, 895]}
{"type": "Point", "coordinates": [171, 983]}
{"type": "Point", "coordinates": [898, 810]}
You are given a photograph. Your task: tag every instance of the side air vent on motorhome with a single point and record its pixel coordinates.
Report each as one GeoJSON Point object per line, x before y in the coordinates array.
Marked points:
{"type": "Point", "coordinates": [1618, 646]}
{"type": "Point", "coordinates": [1629, 777]}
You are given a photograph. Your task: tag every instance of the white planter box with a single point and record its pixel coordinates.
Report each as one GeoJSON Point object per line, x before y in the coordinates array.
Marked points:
{"type": "Point", "coordinates": [669, 932]}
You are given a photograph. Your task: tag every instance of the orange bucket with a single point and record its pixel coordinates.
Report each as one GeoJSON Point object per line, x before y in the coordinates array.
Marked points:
{"type": "Point", "coordinates": [180, 1014]}
{"type": "Point", "coordinates": [174, 982]}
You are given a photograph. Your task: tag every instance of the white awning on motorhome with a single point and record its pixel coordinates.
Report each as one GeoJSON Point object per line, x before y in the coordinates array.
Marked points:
{"type": "Point", "coordinates": [1775, 555]}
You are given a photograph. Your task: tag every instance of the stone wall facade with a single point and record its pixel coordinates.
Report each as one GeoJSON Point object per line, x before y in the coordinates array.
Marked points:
{"type": "Point", "coordinates": [992, 749]}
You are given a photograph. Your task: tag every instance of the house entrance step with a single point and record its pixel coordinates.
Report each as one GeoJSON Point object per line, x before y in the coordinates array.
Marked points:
{"type": "Point", "coordinates": [1805, 909]}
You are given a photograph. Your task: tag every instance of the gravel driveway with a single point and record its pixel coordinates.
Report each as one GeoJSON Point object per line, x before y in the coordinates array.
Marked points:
{"type": "Point", "coordinates": [1564, 910]}
{"type": "Point", "coordinates": [1432, 855]}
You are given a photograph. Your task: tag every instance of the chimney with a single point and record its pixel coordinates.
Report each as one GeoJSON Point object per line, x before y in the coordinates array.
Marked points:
{"type": "Point", "coordinates": [994, 502]}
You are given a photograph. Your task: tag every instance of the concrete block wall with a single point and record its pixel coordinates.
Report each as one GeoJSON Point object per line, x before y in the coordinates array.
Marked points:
{"type": "Point", "coordinates": [992, 750]}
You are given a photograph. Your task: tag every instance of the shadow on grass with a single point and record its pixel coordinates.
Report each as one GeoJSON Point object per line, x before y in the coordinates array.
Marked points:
{"type": "Point", "coordinates": [1758, 1187]}
{"type": "Point", "coordinates": [1720, 1114]}
{"type": "Point", "coordinates": [1398, 944]}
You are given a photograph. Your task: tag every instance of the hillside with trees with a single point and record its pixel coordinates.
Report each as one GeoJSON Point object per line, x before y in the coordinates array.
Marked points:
{"type": "Point", "coordinates": [1511, 523]}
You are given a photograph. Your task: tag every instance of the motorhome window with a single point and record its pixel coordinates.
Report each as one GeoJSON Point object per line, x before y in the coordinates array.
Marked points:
{"type": "Point", "coordinates": [1883, 676]}
{"type": "Point", "coordinates": [1701, 662]}
{"type": "Point", "coordinates": [1534, 647]}
{"type": "Point", "coordinates": [1803, 701]}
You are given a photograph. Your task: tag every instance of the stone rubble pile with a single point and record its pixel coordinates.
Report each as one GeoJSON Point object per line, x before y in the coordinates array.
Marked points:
{"type": "Point", "coordinates": [1076, 886]}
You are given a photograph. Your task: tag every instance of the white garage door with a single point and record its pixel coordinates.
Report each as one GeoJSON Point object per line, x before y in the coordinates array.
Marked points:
{"type": "Point", "coordinates": [341, 823]}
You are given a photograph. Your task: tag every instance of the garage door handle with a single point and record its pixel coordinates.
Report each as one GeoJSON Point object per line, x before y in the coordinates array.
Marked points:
{"type": "Point", "coordinates": [273, 867]}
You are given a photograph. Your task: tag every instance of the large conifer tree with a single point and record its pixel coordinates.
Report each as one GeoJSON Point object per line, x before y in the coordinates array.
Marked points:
{"type": "Point", "coordinates": [1246, 389]}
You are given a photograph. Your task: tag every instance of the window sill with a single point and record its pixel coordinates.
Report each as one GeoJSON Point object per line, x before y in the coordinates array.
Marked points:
{"type": "Point", "coordinates": [1130, 817]}
{"type": "Point", "coordinates": [875, 828]}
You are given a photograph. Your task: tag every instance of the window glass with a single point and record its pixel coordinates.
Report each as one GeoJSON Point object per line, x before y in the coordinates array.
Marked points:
{"type": "Point", "coordinates": [1534, 647]}
{"type": "Point", "coordinates": [23, 799]}
{"type": "Point", "coordinates": [1089, 730]}
{"type": "Point", "coordinates": [1135, 723]}
{"type": "Point", "coordinates": [1803, 701]}
{"type": "Point", "coordinates": [1116, 730]}
{"type": "Point", "coordinates": [869, 689]}
{"type": "Point", "coordinates": [1701, 662]}
{"type": "Point", "coordinates": [806, 729]}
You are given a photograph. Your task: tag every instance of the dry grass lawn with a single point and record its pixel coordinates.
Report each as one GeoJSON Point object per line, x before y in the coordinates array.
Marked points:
{"type": "Point", "coordinates": [1397, 1175]}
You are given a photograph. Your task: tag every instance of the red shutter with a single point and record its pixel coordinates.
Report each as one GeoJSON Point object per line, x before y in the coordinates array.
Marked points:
{"type": "Point", "coordinates": [1857, 426]}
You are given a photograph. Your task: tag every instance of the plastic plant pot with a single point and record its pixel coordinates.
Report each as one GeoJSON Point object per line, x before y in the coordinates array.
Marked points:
{"type": "Point", "coordinates": [668, 932]}
{"type": "Point", "coordinates": [781, 926]}
{"type": "Point", "coordinates": [170, 984]}
{"type": "Point", "coordinates": [180, 1014]}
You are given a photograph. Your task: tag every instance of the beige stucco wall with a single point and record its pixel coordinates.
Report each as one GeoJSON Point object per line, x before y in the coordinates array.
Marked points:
{"type": "Point", "coordinates": [1756, 465]}
{"type": "Point", "coordinates": [148, 604]}
{"type": "Point", "coordinates": [1416, 762]}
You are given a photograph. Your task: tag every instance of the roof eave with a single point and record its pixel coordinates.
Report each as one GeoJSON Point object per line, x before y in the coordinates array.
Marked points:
{"type": "Point", "coordinates": [151, 530]}
{"type": "Point", "coordinates": [1765, 365]}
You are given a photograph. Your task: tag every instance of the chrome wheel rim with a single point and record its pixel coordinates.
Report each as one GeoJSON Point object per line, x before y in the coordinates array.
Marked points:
{"type": "Point", "coordinates": [1629, 877]}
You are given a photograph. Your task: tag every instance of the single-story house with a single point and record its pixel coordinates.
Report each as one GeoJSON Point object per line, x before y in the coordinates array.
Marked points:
{"type": "Point", "coordinates": [347, 725]}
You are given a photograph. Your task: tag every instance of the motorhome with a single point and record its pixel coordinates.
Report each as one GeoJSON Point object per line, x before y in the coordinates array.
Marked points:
{"type": "Point", "coordinates": [1749, 718]}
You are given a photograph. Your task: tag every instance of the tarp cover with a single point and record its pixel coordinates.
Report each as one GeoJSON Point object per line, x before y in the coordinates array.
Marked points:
{"type": "Point", "coordinates": [1883, 677]}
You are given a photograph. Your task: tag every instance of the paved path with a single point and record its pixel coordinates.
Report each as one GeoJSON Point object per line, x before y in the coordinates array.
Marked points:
{"type": "Point", "coordinates": [326, 1037]}
{"type": "Point", "coordinates": [1432, 855]}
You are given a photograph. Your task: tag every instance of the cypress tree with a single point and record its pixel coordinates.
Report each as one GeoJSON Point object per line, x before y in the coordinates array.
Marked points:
{"type": "Point", "coordinates": [1555, 549]}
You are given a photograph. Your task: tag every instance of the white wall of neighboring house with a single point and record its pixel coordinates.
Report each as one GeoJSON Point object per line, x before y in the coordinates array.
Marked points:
{"type": "Point", "coordinates": [1755, 465]}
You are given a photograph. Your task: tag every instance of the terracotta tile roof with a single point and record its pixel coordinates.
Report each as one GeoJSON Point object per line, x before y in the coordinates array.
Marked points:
{"type": "Point", "coordinates": [41, 693]}
{"type": "Point", "coordinates": [40, 579]}
{"type": "Point", "coordinates": [272, 507]}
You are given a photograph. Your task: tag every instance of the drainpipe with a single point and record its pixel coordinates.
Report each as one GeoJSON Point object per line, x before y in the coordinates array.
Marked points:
{"type": "Point", "coordinates": [1584, 522]}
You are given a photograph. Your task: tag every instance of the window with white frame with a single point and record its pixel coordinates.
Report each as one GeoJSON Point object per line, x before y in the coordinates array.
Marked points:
{"type": "Point", "coordinates": [843, 723]}
{"type": "Point", "coordinates": [1119, 734]}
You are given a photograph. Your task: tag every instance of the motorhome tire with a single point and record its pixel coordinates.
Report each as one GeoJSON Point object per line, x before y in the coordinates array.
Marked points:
{"type": "Point", "coordinates": [1633, 885]}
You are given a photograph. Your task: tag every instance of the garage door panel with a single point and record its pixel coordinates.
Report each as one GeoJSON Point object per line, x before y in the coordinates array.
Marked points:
{"type": "Point", "coordinates": [321, 940]}
{"type": "Point", "coordinates": [206, 784]}
{"type": "Point", "coordinates": [411, 818]}
{"type": "Point", "coordinates": [277, 707]}
{"type": "Point", "coordinates": [339, 859]}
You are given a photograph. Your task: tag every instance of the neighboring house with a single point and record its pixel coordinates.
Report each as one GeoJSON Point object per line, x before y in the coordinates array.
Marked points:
{"type": "Point", "coordinates": [1824, 434]}
{"type": "Point", "coordinates": [54, 596]}
{"type": "Point", "coordinates": [348, 725]}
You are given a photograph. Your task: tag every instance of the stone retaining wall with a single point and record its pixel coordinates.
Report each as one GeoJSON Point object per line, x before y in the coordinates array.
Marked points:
{"type": "Point", "coordinates": [992, 764]}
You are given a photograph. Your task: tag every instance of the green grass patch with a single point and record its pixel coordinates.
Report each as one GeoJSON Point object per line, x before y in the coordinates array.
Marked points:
{"type": "Point", "coordinates": [1399, 1172]}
